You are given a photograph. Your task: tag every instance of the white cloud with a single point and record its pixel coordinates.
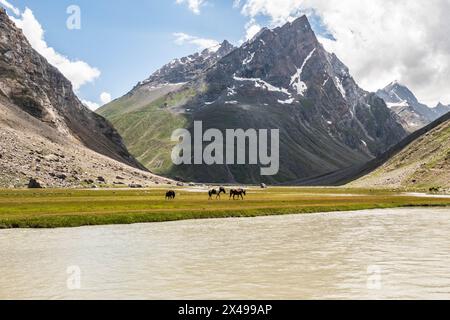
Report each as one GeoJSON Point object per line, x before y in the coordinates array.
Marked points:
{"type": "Point", "coordinates": [380, 40]}
{"type": "Point", "coordinates": [279, 11]}
{"type": "Point", "coordinates": [91, 105]}
{"type": "Point", "coordinates": [77, 71]}
{"type": "Point", "coordinates": [9, 6]}
{"type": "Point", "coordinates": [194, 5]}
{"type": "Point", "coordinates": [251, 29]}
{"type": "Point", "coordinates": [183, 38]}
{"type": "Point", "coordinates": [105, 97]}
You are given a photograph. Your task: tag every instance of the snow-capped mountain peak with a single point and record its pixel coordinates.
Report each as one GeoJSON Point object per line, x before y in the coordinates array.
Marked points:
{"type": "Point", "coordinates": [415, 115]}
{"type": "Point", "coordinates": [185, 69]}
{"type": "Point", "coordinates": [285, 79]}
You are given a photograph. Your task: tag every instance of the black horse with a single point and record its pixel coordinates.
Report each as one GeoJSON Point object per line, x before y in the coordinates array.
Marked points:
{"type": "Point", "coordinates": [170, 195]}
{"type": "Point", "coordinates": [239, 193]}
{"type": "Point", "coordinates": [216, 193]}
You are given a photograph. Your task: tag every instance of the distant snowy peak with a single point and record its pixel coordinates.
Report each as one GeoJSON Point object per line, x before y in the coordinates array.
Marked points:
{"type": "Point", "coordinates": [395, 92]}
{"type": "Point", "coordinates": [415, 115]}
{"type": "Point", "coordinates": [442, 109]}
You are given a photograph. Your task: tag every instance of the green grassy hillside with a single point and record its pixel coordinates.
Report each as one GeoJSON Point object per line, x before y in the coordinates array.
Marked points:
{"type": "Point", "coordinates": [147, 130]}
{"type": "Point", "coordinates": [135, 100]}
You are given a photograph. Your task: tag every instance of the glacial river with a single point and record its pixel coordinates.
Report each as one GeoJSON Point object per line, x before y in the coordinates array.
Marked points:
{"type": "Point", "coordinates": [375, 254]}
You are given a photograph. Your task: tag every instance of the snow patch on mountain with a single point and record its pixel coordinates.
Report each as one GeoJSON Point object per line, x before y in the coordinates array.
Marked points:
{"type": "Point", "coordinates": [340, 87]}
{"type": "Point", "coordinates": [296, 80]}
{"type": "Point", "coordinates": [403, 103]}
{"type": "Point", "coordinates": [288, 101]}
{"type": "Point", "coordinates": [231, 91]}
{"type": "Point", "coordinates": [249, 59]}
{"type": "Point", "coordinates": [259, 83]}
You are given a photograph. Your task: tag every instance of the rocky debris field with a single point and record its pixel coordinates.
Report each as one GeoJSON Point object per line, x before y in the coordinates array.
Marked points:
{"type": "Point", "coordinates": [27, 157]}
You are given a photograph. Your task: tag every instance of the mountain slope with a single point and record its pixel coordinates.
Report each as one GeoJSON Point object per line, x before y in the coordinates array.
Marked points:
{"type": "Point", "coordinates": [420, 161]}
{"type": "Point", "coordinates": [30, 148]}
{"type": "Point", "coordinates": [142, 116]}
{"type": "Point", "coordinates": [403, 102]}
{"type": "Point", "coordinates": [46, 132]}
{"type": "Point", "coordinates": [30, 82]}
{"type": "Point", "coordinates": [169, 78]}
{"type": "Point", "coordinates": [282, 79]}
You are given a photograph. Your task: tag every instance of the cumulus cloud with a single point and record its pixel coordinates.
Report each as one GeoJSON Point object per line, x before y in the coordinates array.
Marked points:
{"type": "Point", "coordinates": [9, 6]}
{"type": "Point", "coordinates": [77, 71]}
{"type": "Point", "coordinates": [201, 43]}
{"type": "Point", "coordinates": [105, 97]}
{"type": "Point", "coordinates": [380, 40]}
{"type": "Point", "coordinates": [193, 5]}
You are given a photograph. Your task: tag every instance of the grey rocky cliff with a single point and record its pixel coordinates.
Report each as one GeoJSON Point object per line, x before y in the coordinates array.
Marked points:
{"type": "Point", "coordinates": [30, 82]}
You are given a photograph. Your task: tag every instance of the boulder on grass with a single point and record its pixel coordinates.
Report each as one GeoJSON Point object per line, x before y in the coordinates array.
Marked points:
{"type": "Point", "coordinates": [34, 184]}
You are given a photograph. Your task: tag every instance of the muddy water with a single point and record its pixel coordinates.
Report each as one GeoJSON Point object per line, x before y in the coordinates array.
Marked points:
{"type": "Point", "coordinates": [398, 253]}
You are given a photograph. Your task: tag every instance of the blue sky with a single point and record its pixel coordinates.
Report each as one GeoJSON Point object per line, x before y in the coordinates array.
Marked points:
{"type": "Point", "coordinates": [128, 40]}
{"type": "Point", "coordinates": [381, 41]}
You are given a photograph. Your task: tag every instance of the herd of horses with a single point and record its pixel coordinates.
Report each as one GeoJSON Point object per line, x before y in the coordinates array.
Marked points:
{"type": "Point", "coordinates": [235, 194]}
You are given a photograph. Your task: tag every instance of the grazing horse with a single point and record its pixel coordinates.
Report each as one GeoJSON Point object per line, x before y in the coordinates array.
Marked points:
{"type": "Point", "coordinates": [170, 195]}
{"type": "Point", "coordinates": [239, 193]}
{"type": "Point", "coordinates": [216, 193]}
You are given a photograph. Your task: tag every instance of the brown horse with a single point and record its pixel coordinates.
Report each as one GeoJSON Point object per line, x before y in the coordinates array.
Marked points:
{"type": "Point", "coordinates": [170, 195]}
{"type": "Point", "coordinates": [216, 193]}
{"type": "Point", "coordinates": [239, 193]}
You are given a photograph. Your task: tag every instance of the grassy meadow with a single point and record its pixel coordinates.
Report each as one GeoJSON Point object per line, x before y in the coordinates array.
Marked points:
{"type": "Point", "coordinates": [72, 208]}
